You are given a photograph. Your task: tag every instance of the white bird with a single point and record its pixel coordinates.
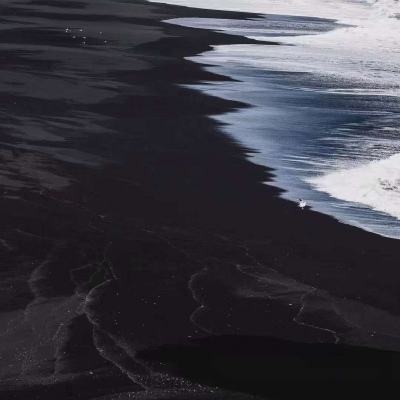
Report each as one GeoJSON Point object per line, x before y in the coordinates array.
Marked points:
{"type": "Point", "coordinates": [302, 204]}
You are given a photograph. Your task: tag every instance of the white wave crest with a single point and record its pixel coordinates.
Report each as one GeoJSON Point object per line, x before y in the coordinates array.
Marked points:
{"type": "Point", "coordinates": [388, 8]}
{"type": "Point", "coordinates": [335, 9]}
{"type": "Point", "coordinates": [375, 185]}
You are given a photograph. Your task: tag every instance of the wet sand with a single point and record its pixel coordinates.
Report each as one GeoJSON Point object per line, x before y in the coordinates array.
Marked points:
{"type": "Point", "coordinates": [130, 222]}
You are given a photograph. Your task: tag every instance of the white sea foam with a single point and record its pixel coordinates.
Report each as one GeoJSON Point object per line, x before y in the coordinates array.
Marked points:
{"type": "Point", "coordinates": [337, 9]}
{"type": "Point", "coordinates": [365, 55]}
{"type": "Point", "coordinates": [375, 184]}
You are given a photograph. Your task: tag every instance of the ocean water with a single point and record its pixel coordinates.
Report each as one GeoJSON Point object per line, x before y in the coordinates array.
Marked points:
{"type": "Point", "coordinates": [326, 101]}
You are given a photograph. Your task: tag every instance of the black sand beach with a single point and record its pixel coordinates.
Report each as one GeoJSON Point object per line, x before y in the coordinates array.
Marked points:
{"type": "Point", "coordinates": [139, 247]}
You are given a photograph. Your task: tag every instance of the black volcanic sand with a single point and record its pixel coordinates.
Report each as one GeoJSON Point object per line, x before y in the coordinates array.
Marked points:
{"type": "Point", "coordinates": [278, 369]}
{"type": "Point", "coordinates": [131, 225]}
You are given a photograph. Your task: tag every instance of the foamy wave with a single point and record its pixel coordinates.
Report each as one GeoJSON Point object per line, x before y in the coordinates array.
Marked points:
{"type": "Point", "coordinates": [362, 53]}
{"type": "Point", "coordinates": [335, 9]}
{"type": "Point", "coordinates": [389, 8]}
{"type": "Point", "coordinates": [375, 185]}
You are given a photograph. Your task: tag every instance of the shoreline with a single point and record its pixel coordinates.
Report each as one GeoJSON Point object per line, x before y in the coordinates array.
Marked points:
{"type": "Point", "coordinates": [124, 256]}
{"type": "Point", "coordinates": [302, 218]}
{"type": "Point", "coordinates": [314, 114]}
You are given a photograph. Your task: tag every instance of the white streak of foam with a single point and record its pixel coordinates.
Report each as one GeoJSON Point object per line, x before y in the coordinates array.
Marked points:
{"type": "Point", "coordinates": [375, 185]}
{"type": "Point", "coordinates": [365, 54]}
{"type": "Point", "coordinates": [334, 9]}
